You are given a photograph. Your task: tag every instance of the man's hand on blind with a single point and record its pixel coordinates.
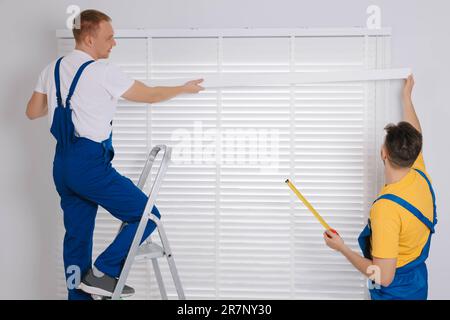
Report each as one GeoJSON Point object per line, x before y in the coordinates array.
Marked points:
{"type": "Point", "coordinates": [193, 86]}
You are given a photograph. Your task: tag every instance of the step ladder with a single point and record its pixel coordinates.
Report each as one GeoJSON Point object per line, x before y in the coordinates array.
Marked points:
{"type": "Point", "coordinates": [148, 249]}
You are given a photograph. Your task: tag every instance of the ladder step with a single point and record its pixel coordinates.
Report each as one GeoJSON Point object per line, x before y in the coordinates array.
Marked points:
{"type": "Point", "coordinates": [149, 251]}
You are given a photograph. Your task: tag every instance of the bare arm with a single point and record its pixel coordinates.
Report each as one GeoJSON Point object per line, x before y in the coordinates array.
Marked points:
{"type": "Point", "coordinates": [409, 114]}
{"type": "Point", "coordinates": [37, 106]}
{"type": "Point", "coordinates": [367, 267]}
{"type": "Point", "coordinates": [139, 92]}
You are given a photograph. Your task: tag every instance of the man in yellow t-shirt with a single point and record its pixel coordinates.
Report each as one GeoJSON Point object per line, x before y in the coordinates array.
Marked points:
{"type": "Point", "coordinates": [396, 241]}
{"type": "Point", "coordinates": [396, 233]}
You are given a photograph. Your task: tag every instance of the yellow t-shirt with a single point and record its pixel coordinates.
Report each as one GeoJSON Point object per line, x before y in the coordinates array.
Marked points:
{"type": "Point", "coordinates": [396, 232]}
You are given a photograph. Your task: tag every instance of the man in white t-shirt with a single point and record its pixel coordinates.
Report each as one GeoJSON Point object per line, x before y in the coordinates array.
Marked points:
{"type": "Point", "coordinates": [80, 95]}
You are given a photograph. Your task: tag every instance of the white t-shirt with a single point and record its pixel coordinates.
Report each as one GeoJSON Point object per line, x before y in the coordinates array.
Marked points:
{"type": "Point", "coordinates": [94, 101]}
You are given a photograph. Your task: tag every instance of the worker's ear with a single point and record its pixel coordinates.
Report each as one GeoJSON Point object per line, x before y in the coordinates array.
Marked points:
{"type": "Point", "coordinates": [89, 40]}
{"type": "Point", "coordinates": [384, 153]}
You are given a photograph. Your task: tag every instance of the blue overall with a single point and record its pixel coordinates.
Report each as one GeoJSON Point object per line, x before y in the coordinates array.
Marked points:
{"type": "Point", "coordinates": [411, 280]}
{"type": "Point", "coordinates": [84, 179]}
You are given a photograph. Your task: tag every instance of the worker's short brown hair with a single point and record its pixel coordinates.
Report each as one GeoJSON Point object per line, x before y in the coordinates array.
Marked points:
{"type": "Point", "coordinates": [87, 22]}
{"type": "Point", "coordinates": [403, 144]}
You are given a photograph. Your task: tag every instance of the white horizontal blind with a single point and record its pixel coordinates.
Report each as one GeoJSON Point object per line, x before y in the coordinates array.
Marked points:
{"type": "Point", "coordinates": [328, 162]}
{"type": "Point", "coordinates": [188, 196]}
{"type": "Point", "coordinates": [254, 204]}
{"type": "Point", "coordinates": [234, 226]}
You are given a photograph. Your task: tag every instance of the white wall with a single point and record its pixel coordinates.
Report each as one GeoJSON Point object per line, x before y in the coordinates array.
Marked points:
{"type": "Point", "coordinates": [29, 202]}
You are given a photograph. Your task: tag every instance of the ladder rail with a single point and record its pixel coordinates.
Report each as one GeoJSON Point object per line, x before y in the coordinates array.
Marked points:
{"type": "Point", "coordinates": [159, 280]}
{"type": "Point", "coordinates": [146, 171]}
{"type": "Point", "coordinates": [169, 257]}
{"type": "Point", "coordinates": [149, 163]}
{"type": "Point", "coordinates": [147, 211]}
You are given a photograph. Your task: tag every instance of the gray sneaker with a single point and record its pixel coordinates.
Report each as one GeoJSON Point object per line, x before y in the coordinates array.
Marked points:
{"type": "Point", "coordinates": [102, 286]}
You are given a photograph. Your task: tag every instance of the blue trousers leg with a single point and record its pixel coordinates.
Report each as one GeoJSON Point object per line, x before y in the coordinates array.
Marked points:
{"type": "Point", "coordinates": [112, 259]}
{"type": "Point", "coordinates": [79, 221]}
{"type": "Point", "coordinates": [100, 183]}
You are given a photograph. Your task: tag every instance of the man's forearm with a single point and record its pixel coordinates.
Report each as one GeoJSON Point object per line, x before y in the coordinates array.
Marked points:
{"type": "Point", "coordinates": [380, 270]}
{"type": "Point", "coordinates": [139, 92]}
{"type": "Point", "coordinates": [409, 114]}
{"type": "Point", "coordinates": [166, 93]}
{"type": "Point", "coordinates": [359, 262]}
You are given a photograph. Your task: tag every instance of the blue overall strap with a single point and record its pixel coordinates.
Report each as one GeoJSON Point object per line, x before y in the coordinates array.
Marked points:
{"type": "Point", "coordinates": [57, 83]}
{"type": "Point", "coordinates": [432, 194]}
{"type": "Point", "coordinates": [75, 81]}
{"type": "Point", "coordinates": [408, 206]}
